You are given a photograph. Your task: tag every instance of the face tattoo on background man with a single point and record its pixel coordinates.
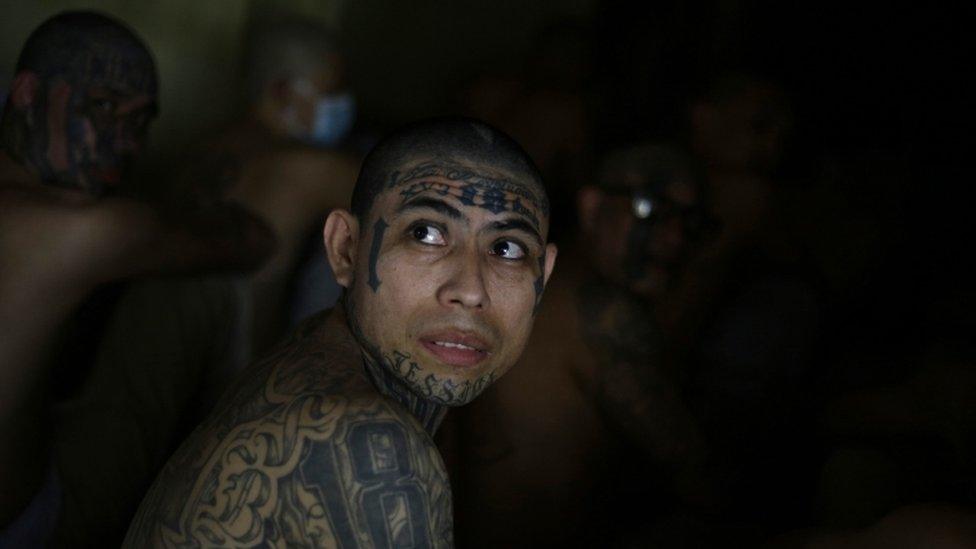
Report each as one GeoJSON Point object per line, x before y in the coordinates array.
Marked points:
{"type": "Point", "coordinates": [82, 104]}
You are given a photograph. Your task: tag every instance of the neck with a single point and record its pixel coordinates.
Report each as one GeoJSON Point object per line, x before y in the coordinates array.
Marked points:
{"type": "Point", "coordinates": [380, 372]}
{"type": "Point", "coordinates": [427, 412]}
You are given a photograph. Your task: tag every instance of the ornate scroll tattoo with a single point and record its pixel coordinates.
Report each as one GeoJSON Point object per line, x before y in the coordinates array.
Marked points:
{"type": "Point", "coordinates": [494, 194]}
{"type": "Point", "coordinates": [301, 453]}
{"type": "Point", "coordinates": [374, 251]}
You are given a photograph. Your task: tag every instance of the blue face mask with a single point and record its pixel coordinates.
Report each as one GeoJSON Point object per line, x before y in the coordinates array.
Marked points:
{"type": "Point", "coordinates": [334, 115]}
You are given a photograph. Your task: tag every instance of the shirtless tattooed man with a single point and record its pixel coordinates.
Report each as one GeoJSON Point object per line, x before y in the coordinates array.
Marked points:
{"type": "Point", "coordinates": [79, 111]}
{"type": "Point", "coordinates": [327, 441]}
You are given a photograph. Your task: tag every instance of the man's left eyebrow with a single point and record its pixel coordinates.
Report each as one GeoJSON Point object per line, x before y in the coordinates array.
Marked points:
{"type": "Point", "coordinates": [516, 224]}
{"type": "Point", "coordinates": [432, 203]}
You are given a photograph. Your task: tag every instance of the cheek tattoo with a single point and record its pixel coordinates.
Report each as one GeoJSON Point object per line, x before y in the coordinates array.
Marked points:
{"type": "Point", "coordinates": [374, 251]}
{"type": "Point", "coordinates": [540, 282]}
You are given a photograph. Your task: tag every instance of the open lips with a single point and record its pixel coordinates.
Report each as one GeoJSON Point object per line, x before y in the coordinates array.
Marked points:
{"type": "Point", "coordinates": [456, 348]}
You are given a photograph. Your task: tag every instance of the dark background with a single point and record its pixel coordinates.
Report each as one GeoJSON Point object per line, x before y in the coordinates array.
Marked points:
{"type": "Point", "coordinates": [873, 86]}
{"type": "Point", "coordinates": [875, 89]}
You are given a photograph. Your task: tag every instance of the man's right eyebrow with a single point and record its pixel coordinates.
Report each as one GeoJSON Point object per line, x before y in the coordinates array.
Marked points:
{"type": "Point", "coordinates": [431, 203]}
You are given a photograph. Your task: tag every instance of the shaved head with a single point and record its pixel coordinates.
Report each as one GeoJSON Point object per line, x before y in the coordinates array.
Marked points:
{"type": "Point", "coordinates": [81, 101]}
{"type": "Point", "coordinates": [90, 48]}
{"type": "Point", "coordinates": [447, 143]}
{"type": "Point", "coordinates": [283, 49]}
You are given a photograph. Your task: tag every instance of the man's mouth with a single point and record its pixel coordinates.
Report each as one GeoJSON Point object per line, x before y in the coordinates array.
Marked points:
{"type": "Point", "coordinates": [456, 348]}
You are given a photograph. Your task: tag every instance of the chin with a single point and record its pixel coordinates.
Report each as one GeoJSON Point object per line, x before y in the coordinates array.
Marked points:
{"type": "Point", "coordinates": [453, 385]}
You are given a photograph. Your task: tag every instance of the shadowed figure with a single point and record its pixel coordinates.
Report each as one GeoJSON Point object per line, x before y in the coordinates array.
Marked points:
{"type": "Point", "coordinates": [81, 102]}
{"type": "Point", "coordinates": [592, 412]}
{"type": "Point", "coordinates": [287, 160]}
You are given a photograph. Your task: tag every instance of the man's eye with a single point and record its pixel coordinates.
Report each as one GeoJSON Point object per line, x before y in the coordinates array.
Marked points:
{"type": "Point", "coordinates": [428, 234]}
{"type": "Point", "coordinates": [508, 250]}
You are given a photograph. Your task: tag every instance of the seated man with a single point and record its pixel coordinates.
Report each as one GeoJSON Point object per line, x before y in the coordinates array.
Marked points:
{"type": "Point", "coordinates": [80, 106]}
{"type": "Point", "coordinates": [551, 436]}
{"type": "Point", "coordinates": [327, 441]}
{"type": "Point", "coordinates": [285, 161]}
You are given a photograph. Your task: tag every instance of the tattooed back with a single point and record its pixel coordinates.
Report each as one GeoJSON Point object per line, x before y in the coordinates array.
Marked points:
{"type": "Point", "coordinates": [302, 451]}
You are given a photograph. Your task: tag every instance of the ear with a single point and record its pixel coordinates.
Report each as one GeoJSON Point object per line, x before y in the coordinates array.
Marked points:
{"type": "Point", "coordinates": [551, 252]}
{"type": "Point", "coordinates": [588, 201]}
{"type": "Point", "coordinates": [23, 90]}
{"type": "Point", "coordinates": [341, 236]}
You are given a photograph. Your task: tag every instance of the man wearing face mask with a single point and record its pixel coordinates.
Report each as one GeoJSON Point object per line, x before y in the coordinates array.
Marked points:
{"type": "Point", "coordinates": [286, 159]}
{"type": "Point", "coordinates": [553, 435]}
{"type": "Point", "coordinates": [80, 423]}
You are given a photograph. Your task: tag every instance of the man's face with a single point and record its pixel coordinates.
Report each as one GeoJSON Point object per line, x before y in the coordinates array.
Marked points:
{"type": "Point", "coordinates": [319, 108]}
{"type": "Point", "coordinates": [94, 132]}
{"type": "Point", "coordinates": [643, 232]}
{"type": "Point", "coordinates": [450, 267]}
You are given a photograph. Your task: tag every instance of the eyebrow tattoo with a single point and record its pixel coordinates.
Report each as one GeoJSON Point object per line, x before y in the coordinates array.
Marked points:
{"type": "Point", "coordinates": [517, 225]}
{"type": "Point", "coordinates": [431, 203]}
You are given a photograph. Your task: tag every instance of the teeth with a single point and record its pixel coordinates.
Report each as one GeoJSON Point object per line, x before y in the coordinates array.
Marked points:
{"type": "Point", "coordinates": [454, 345]}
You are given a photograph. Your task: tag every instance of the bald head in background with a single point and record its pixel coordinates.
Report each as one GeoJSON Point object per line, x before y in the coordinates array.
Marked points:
{"type": "Point", "coordinates": [75, 251]}
{"type": "Point", "coordinates": [296, 81]}
{"type": "Point", "coordinates": [80, 105]}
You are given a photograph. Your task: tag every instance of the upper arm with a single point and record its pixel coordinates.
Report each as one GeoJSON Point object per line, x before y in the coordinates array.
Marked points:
{"type": "Point", "coordinates": [310, 472]}
{"type": "Point", "coordinates": [383, 483]}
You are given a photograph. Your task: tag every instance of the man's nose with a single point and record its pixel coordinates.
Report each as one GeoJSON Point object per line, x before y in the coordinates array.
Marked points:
{"type": "Point", "coordinates": [466, 285]}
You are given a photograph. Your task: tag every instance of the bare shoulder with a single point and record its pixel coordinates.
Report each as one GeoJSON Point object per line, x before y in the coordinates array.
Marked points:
{"type": "Point", "coordinates": [41, 225]}
{"type": "Point", "coordinates": [302, 452]}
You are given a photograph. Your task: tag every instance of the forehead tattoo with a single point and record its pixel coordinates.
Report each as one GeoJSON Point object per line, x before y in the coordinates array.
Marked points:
{"type": "Point", "coordinates": [472, 188]}
{"type": "Point", "coordinates": [111, 58]}
{"type": "Point", "coordinates": [119, 66]}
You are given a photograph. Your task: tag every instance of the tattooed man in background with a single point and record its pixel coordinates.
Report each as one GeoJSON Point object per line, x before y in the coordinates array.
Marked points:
{"type": "Point", "coordinates": [84, 426]}
{"type": "Point", "coordinates": [327, 441]}
{"type": "Point", "coordinates": [594, 413]}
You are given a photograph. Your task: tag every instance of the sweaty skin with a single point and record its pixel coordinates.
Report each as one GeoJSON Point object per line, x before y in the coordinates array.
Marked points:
{"type": "Point", "coordinates": [327, 442]}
